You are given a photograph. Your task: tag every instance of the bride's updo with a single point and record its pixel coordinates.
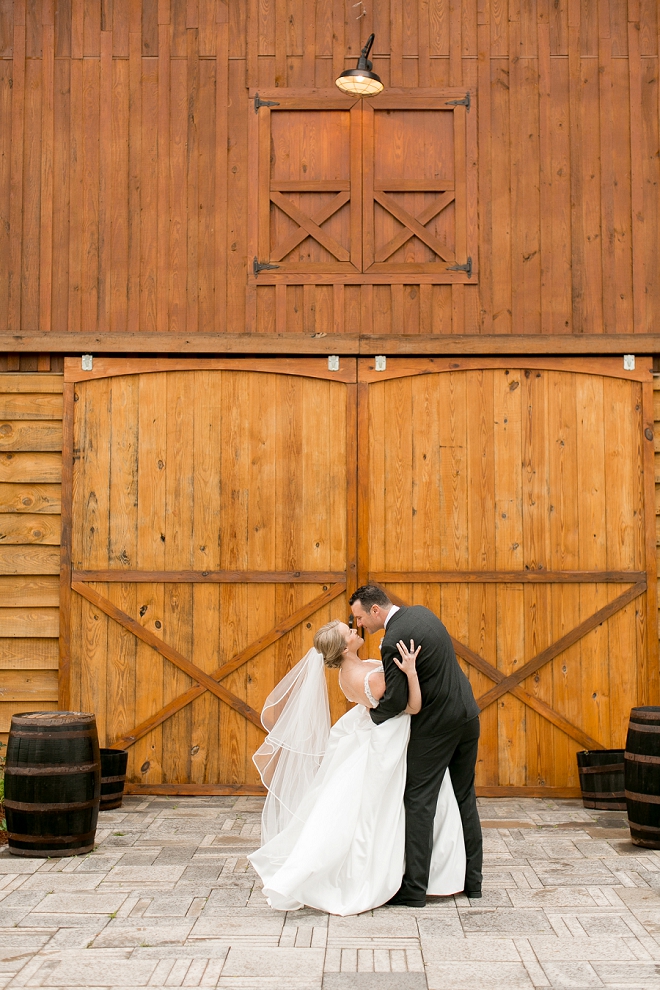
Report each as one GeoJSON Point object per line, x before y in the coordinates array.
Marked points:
{"type": "Point", "coordinates": [329, 640]}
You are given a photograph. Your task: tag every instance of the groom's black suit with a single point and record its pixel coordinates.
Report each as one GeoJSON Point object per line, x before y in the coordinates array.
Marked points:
{"type": "Point", "coordinates": [443, 735]}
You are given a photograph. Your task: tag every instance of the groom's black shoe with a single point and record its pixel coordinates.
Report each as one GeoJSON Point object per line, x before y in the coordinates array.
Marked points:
{"type": "Point", "coordinates": [473, 894]}
{"type": "Point", "coordinates": [401, 900]}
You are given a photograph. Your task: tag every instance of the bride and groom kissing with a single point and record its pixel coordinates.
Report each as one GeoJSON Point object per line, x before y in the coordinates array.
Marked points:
{"type": "Point", "coordinates": [365, 813]}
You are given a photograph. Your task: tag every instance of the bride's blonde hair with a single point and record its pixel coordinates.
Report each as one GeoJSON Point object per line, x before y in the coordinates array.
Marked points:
{"type": "Point", "coordinates": [329, 640]}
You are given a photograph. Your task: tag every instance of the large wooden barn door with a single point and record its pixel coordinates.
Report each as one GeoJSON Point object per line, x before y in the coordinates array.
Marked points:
{"type": "Point", "coordinates": [210, 526]}
{"type": "Point", "coordinates": [517, 501]}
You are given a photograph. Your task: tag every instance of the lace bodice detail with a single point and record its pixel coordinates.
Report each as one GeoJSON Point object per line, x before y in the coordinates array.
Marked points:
{"type": "Point", "coordinates": [367, 690]}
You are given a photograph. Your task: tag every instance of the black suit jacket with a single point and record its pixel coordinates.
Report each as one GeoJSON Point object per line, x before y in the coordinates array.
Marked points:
{"type": "Point", "coordinates": [447, 698]}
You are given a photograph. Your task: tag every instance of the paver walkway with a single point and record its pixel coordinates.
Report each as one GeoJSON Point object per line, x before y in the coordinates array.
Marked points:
{"type": "Point", "coordinates": [168, 899]}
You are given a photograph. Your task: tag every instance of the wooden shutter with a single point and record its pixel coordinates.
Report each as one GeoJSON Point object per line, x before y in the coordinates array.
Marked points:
{"type": "Point", "coordinates": [419, 186]}
{"type": "Point", "coordinates": [306, 183]}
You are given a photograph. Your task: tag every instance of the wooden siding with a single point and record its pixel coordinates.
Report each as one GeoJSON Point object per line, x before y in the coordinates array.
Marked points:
{"type": "Point", "coordinates": [30, 510]}
{"type": "Point", "coordinates": [124, 174]}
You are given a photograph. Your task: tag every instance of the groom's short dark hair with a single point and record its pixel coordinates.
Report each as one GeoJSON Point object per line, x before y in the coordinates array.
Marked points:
{"type": "Point", "coordinates": [368, 595]}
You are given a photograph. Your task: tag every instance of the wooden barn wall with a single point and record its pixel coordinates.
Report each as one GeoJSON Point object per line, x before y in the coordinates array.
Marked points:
{"type": "Point", "coordinates": [30, 487]}
{"type": "Point", "coordinates": [124, 176]}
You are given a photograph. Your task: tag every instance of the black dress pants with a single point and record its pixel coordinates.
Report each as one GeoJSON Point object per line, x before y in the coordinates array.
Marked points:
{"type": "Point", "coordinates": [428, 758]}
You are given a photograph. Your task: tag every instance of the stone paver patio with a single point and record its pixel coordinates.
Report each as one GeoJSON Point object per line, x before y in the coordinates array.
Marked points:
{"type": "Point", "coordinates": [167, 899]}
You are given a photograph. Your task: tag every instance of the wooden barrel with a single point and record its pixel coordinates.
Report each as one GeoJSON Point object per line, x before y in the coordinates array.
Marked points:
{"type": "Point", "coordinates": [601, 779]}
{"type": "Point", "coordinates": [642, 773]}
{"type": "Point", "coordinates": [113, 775]}
{"type": "Point", "coordinates": [52, 783]}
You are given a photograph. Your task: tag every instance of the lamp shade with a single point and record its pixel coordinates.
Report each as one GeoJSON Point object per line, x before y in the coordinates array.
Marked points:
{"type": "Point", "coordinates": [359, 82]}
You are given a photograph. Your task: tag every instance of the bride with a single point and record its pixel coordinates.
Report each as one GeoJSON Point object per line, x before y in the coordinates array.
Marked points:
{"type": "Point", "coordinates": [333, 824]}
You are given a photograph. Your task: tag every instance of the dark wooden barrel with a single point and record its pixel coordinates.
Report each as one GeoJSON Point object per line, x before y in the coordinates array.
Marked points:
{"type": "Point", "coordinates": [642, 760]}
{"type": "Point", "coordinates": [601, 779]}
{"type": "Point", "coordinates": [52, 783]}
{"type": "Point", "coordinates": [113, 775]}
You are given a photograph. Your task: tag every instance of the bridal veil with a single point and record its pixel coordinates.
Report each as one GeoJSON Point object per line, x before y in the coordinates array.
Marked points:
{"type": "Point", "coordinates": [296, 715]}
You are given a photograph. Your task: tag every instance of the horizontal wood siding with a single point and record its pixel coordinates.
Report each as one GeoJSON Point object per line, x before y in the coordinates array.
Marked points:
{"type": "Point", "coordinates": [30, 506]}
{"type": "Point", "coordinates": [124, 173]}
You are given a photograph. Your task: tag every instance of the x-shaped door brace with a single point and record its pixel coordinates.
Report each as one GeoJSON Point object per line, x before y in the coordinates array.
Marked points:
{"type": "Point", "coordinates": [511, 684]}
{"type": "Point", "coordinates": [415, 226]}
{"type": "Point", "coordinates": [310, 226]}
{"type": "Point", "coordinates": [206, 682]}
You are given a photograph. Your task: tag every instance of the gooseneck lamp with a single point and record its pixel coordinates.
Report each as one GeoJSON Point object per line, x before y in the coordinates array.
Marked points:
{"type": "Point", "coordinates": [361, 81]}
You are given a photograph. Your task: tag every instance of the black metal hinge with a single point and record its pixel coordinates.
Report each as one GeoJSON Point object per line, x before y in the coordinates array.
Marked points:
{"type": "Point", "coordinates": [467, 267]}
{"type": "Point", "coordinates": [263, 103]}
{"type": "Point", "coordinates": [460, 103]}
{"type": "Point", "coordinates": [261, 266]}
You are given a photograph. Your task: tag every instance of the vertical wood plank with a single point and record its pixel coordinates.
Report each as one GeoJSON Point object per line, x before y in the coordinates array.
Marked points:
{"type": "Point", "coordinates": [650, 690]}
{"type": "Point", "coordinates": [5, 183]}
{"type": "Point", "coordinates": [338, 56]}
{"type": "Point", "coordinates": [280, 308]}
{"type": "Point", "coordinates": [636, 171]}
{"type": "Point", "coordinates": [205, 205]}
{"type": "Point", "coordinates": [280, 42]}
{"type": "Point", "coordinates": [396, 304]}
{"type": "Point", "coordinates": [221, 212]}
{"type": "Point", "coordinates": [105, 208]}
{"type": "Point", "coordinates": [120, 179]}
{"type": "Point", "coordinates": [252, 41]}
{"type": "Point", "coordinates": [363, 481]}
{"type": "Point", "coordinates": [122, 549]}
{"type": "Point", "coordinates": [178, 197]}
{"type": "Point", "coordinates": [47, 139]}
{"type": "Point", "coordinates": [338, 308]}
{"type": "Point", "coordinates": [577, 229]}
{"type": "Point", "coordinates": [260, 176]}
{"type": "Point", "coordinates": [309, 43]}
{"type": "Point", "coordinates": [164, 84]}
{"type": "Point", "coordinates": [64, 675]}
{"type": "Point", "coordinates": [485, 168]}
{"type": "Point", "coordinates": [396, 43]}
{"type": "Point", "coordinates": [545, 169]}
{"type": "Point", "coordinates": [192, 151]}
{"type": "Point", "coordinates": [563, 526]}
{"type": "Point", "coordinates": [16, 183]}
{"type": "Point", "coordinates": [595, 647]}
{"type": "Point", "coordinates": [423, 44]}
{"type": "Point", "coordinates": [456, 79]}
{"type": "Point", "coordinates": [367, 309]}
{"type": "Point", "coordinates": [90, 192]}
{"type": "Point", "coordinates": [134, 158]}
{"type": "Point", "coordinates": [507, 484]}
{"type": "Point", "coordinates": [606, 167]}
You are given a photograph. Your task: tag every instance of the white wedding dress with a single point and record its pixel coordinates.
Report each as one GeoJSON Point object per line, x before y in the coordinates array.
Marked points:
{"type": "Point", "coordinates": [333, 826]}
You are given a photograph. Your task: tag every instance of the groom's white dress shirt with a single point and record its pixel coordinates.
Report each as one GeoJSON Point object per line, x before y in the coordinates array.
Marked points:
{"type": "Point", "coordinates": [395, 608]}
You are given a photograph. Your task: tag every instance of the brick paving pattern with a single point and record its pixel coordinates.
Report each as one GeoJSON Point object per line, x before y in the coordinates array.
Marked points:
{"type": "Point", "coordinates": [168, 899]}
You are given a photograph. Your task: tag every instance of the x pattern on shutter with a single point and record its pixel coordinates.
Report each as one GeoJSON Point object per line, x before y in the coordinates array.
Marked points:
{"type": "Point", "coordinates": [308, 213]}
{"type": "Point", "coordinates": [361, 191]}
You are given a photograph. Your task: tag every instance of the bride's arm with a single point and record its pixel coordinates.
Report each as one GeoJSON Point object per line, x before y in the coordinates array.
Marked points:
{"type": "Point", "coordinates": [407, 665]}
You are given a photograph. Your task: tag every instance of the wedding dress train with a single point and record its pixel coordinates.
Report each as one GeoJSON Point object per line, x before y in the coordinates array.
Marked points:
{"type": "Point", "coordinates": [334, 821]}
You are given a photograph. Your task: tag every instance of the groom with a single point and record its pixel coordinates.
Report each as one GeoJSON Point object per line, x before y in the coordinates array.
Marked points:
{"type": "Point", "coordinates": [444, 735]}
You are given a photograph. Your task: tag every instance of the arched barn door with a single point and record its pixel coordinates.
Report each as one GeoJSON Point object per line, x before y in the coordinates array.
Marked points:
{"type": "Point", "coordinates": [211, 506]}
{"type": "Point", "coordinates": [516, 499]}
{"type": "Point", "coordinates": [217, 511]}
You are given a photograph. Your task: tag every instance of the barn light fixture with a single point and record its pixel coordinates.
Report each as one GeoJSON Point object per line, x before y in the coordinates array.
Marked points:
{"type": "Point", "coordinates": [361, 81]}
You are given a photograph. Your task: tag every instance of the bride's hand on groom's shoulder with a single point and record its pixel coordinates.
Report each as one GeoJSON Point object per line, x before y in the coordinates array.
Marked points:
{"type": "Point", "coordinates": [408, 657]}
